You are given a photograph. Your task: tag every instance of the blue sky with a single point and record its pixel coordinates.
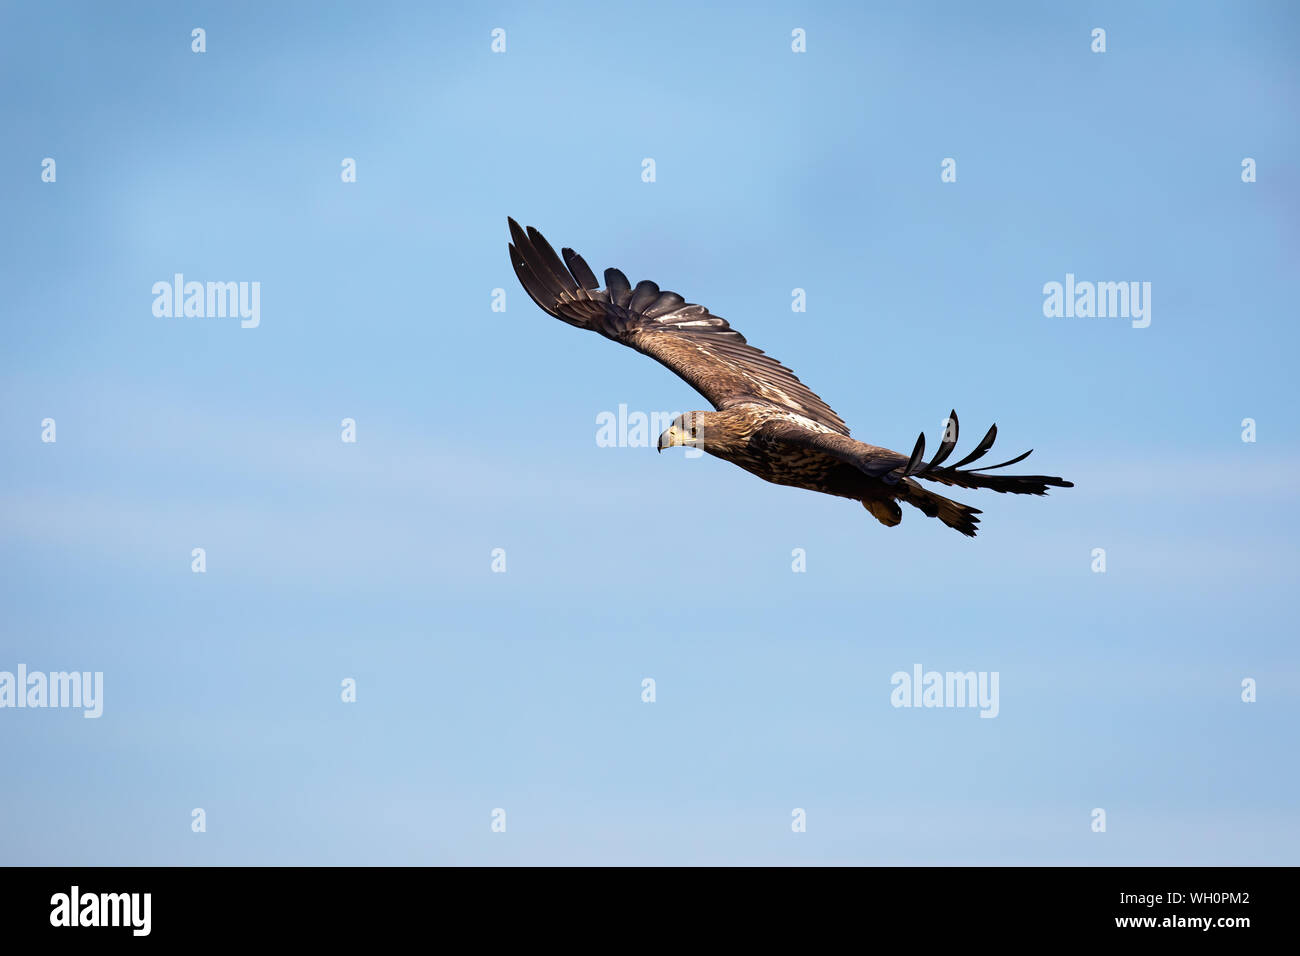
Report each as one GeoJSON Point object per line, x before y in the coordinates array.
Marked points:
{"type": "Point", "coordinates": [476, 430]}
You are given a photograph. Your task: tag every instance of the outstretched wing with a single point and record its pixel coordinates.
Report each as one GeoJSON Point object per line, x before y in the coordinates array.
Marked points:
{"type": "Point", "coordinates": [892, 467]}
{"type": "Point", "coordinates": [700, 347]}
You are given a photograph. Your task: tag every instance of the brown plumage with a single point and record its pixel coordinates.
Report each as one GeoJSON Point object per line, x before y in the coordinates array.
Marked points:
{"type": "Point", "coordinates": [766, 420]}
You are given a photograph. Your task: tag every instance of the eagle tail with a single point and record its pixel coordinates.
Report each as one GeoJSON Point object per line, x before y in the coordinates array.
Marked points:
{"type": "Point", "coordinates": [957, 476]}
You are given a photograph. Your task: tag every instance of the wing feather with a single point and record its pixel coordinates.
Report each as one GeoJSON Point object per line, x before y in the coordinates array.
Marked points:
{"type": "Point", "coordinates": [892, 468]}
{"type": "Point", "coordinates": [580, 270]}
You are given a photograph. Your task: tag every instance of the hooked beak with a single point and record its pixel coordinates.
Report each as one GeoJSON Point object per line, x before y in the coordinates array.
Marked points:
{"type": "Point", "coordinates": [666, 440]}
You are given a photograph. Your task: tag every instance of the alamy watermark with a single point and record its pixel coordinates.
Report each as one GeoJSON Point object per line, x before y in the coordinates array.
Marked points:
{"type": "Point", "coordinates": [1102, 300]}
{"type": "Point", "coordinates": [923, 688]}
{"type": "Point", "coordinates": [75, 908]}
{"type": "Point", "coordinates": [210, 300]}
{"type": "Point", "coordinates": [626, 429]}
{"type": "Point", "coordinates": [82, 689]}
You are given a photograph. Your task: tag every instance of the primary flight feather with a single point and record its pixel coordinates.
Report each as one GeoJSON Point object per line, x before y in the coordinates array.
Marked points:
{"type": "Point", "coordinates": [765, 419]}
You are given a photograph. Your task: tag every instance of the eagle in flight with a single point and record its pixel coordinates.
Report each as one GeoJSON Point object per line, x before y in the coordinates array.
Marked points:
{"type": "Point", "coordinates": [766, 420]}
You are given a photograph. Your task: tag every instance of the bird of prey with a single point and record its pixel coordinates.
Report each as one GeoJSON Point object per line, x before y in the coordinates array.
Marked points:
{"type": "Point", "coordinates": [765, 420]}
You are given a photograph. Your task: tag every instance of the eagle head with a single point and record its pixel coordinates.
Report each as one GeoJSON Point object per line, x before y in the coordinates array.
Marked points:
{"type": "Point", "coordinates": [687, 429]}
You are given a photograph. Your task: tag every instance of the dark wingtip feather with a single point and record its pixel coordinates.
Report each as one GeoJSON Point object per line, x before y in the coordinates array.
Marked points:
{"type": "Point", "coordinates": [917, 452]}
{"type": "Point", "coordinates": [1004, 464]}
{"type": "Point", "coordinates": [619, 289]}
{"type": "Point", "coordinates": [985, 444]}
{"type": "Point", "coordinates": [645, 293]}
{"type": "Point", "coordinates": [581, 271]}
{"type": "Point", "coordinates": [947, 444]}
{"type": "Point", "coordinates": [536, 289]}
{"type": "Point", "coordinates": [545, 253]}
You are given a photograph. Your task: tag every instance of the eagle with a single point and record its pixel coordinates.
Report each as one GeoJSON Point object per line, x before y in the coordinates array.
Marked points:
{"type": "Point", "coordinates": [765, 420]}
